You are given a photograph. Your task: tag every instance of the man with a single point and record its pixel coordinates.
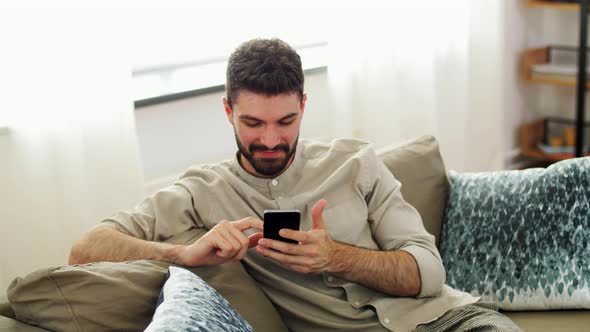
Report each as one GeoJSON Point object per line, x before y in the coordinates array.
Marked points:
{"type": "Point", "coordinates": [363, 261]}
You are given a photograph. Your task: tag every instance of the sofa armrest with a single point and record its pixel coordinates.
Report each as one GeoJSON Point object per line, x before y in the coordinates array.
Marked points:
{"type": "Point", "coordinates": [5, 308]}
{"type": "Point", "coordinates": [11, 325]}
{"type": "Point", "coordinates": [556, 320]}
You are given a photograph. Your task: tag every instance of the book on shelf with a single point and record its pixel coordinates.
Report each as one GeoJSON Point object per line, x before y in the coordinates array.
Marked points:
{"type": "Point", "coordinates": [563, 1]}
{"type": "Point", "coordinates": [560, 54]}
{"type": "Point", "coordinates": [548, 149]}
{"type": "Point", "coordinates": [557, 69]}
{"type": "Point", "coordinates": [554, 76]}
{"type": "Point", "coordinates": [562, 65]}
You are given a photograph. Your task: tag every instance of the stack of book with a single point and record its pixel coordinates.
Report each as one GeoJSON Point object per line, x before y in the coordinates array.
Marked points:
{"type": "Point", "coordinates": [566, 1]}
{"type": "Point", "coordinates": [562, 65]}
{"type": "Point", "coordinates": [548, 149]}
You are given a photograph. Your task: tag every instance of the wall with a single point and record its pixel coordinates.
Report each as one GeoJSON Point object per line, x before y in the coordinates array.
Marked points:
{"type": "Point", "coordinates": [172, 136]}
{"type": "Point", "coordinates": [517, 18]}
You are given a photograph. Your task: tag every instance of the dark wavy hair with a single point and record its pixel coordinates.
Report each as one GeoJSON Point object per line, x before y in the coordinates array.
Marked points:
{"type": "Point", "coordinates": [266, 66]}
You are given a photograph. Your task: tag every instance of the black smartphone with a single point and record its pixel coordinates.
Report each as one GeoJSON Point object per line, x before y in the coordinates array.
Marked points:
{"type": "Point", "coordinates": [275, 220]}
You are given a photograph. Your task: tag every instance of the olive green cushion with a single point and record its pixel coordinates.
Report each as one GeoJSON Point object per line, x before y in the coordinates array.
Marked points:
{"type": "Point", "coordinates": [122, 296]}
{"type": "Point", "coordinates": [418, 165]}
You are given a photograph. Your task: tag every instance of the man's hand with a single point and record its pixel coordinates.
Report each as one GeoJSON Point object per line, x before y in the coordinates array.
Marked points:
{"type": "Point", "coordinates": [393, 272]}
{"type": "Point", "coordinates": [314, 252]}
{"type": "Point", "coordinates": [223, 243]}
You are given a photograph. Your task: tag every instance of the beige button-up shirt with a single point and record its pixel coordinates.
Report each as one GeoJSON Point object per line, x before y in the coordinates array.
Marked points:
{"type": "Point", "coordinates": [365, 209]}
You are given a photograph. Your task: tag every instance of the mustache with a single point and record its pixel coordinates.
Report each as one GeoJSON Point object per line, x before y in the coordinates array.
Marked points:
{"type": "Point", "coordinates": [260, 147]}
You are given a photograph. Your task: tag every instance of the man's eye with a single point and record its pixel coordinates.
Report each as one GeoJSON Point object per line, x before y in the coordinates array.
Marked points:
{"type": "Point", "coordinates": [286, 123]}
{"type": "Point", "coordinates": [253, 124]}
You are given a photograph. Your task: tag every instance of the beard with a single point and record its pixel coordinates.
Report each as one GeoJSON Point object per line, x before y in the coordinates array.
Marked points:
{"type": "Point", "coordinates": [267, 166]}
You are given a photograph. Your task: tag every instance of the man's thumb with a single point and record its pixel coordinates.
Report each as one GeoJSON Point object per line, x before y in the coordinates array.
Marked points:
{"type": "Point", "coordinates": [317, 214]}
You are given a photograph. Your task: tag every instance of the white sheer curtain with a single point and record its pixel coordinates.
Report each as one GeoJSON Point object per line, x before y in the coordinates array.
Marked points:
{"type": "Point", "coordinates": [71, 157]}
{"type": "Point", "coordinates": [399, 69]}
{"type": "Point", "coordinates": [406, 68]}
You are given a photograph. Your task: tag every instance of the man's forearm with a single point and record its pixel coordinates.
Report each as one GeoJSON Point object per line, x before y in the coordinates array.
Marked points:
{"type": "Point", "coordinates": [391, 272]}
{"type": "Point", "coordinates": [105, 244]}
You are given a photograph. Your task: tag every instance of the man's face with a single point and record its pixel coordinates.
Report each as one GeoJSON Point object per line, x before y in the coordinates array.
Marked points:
{"type": "Point", "coordinates": [266, 130]}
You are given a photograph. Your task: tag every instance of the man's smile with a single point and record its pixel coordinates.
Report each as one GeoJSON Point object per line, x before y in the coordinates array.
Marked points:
{"type": "Point", "coordinates": [269, 153]}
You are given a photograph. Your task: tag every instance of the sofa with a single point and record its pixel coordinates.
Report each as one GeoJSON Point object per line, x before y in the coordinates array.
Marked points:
{"type": "Point", "coordinates": [517, 238]}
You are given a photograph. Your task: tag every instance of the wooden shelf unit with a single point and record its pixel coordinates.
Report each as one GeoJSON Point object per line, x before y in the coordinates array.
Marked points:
{"type": "Point", "coordinates": [535, 56]}
{"type": "Point", "coordinates": [533, 133]}
{"type": "Point", "coordinates": [554, 5]}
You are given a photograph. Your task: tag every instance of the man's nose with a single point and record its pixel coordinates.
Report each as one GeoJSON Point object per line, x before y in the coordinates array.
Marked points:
{"type": "Point", "coordinates": [270, 138]}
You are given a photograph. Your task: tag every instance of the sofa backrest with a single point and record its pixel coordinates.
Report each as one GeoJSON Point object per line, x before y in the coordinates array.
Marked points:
{"type": "Point", "coordinates": [418, 165]}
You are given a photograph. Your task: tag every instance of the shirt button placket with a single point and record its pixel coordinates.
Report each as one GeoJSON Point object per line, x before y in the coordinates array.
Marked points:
{"type": "Point", "coordinates": [275, 192]}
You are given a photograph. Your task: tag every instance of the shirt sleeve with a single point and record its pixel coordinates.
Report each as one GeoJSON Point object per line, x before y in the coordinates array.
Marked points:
{"type": "Point", "coordinates": [396, 225]}
{"type": "Point", "coordinates": [168, 212]}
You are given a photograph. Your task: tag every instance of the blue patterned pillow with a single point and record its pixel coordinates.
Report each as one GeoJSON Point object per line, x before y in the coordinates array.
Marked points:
{"type": "Point", "coordinates": [521, 238]}
{"type": "Point", "coordinates": [189, 304]}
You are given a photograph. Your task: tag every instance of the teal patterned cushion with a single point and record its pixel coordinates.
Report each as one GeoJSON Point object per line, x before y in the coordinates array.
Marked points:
{"type": "Point", "coordinates": [521, 238]}
{"type": "Point", "coordinates": [187, 303]}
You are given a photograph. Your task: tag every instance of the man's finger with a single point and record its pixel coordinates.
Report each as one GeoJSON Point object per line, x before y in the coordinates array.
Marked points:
{"type": "Point", "coordinates": [299, 268]}
{"type": "Point", "coordinates": [282, 257]}
{"type": "Point", "coordinates": [317, 214]}
{"type": "Point", "coordinates": [242, 240]}
{"type": "Point", "coordinates": [304, 250]}
{"type": "Point", "coordinates": [230, 235]}
{"type": "Point", "coordinates": [299, 236]}
{"type": "Point", "coordinates": [253, 239]}
{"type": "Point", "coordinates": [224, 249]}
{"type": "Point", "coordinates": [247, 223]}
{"type": "Point", "coordinates": [297, 263]}
{"type": "Point", "coordinates": [284, 247]}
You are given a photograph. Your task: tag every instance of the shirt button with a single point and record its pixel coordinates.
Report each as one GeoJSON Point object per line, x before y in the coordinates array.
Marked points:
{"type": "Point", "coordinates": [386, 321]}
{"type": "Point", "coordinates": [274, 182]}
{"type": "Point", "coordinates": [357, 303]}
{"type": "Point", "coordinates": [330, 279]}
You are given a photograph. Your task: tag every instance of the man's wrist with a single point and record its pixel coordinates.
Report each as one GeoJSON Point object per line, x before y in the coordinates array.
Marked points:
{"type": "Point", "coordinates": [341, 256]}
{"type": "Point", "coordinates": [175, 254]}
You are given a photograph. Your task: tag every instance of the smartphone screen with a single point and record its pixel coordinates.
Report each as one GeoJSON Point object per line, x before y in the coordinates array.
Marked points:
{"type": "Point", "coordinates": [275, 220]}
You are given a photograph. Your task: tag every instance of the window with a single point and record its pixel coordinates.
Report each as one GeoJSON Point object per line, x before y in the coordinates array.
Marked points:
{"type": "Point", "coordinates": [183, 51]}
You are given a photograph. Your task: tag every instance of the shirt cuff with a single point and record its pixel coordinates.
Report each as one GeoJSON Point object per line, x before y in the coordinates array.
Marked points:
{"type": "Point", "coordinates": [432, 272]}
{"type": "Point", "coordinates": [107, 223]}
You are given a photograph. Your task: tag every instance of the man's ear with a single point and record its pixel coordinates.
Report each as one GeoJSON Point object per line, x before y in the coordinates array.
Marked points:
{"type": "Point", "coordinates": [303, 101]}
{"type": "Point", "coordinates": [228, 111]}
